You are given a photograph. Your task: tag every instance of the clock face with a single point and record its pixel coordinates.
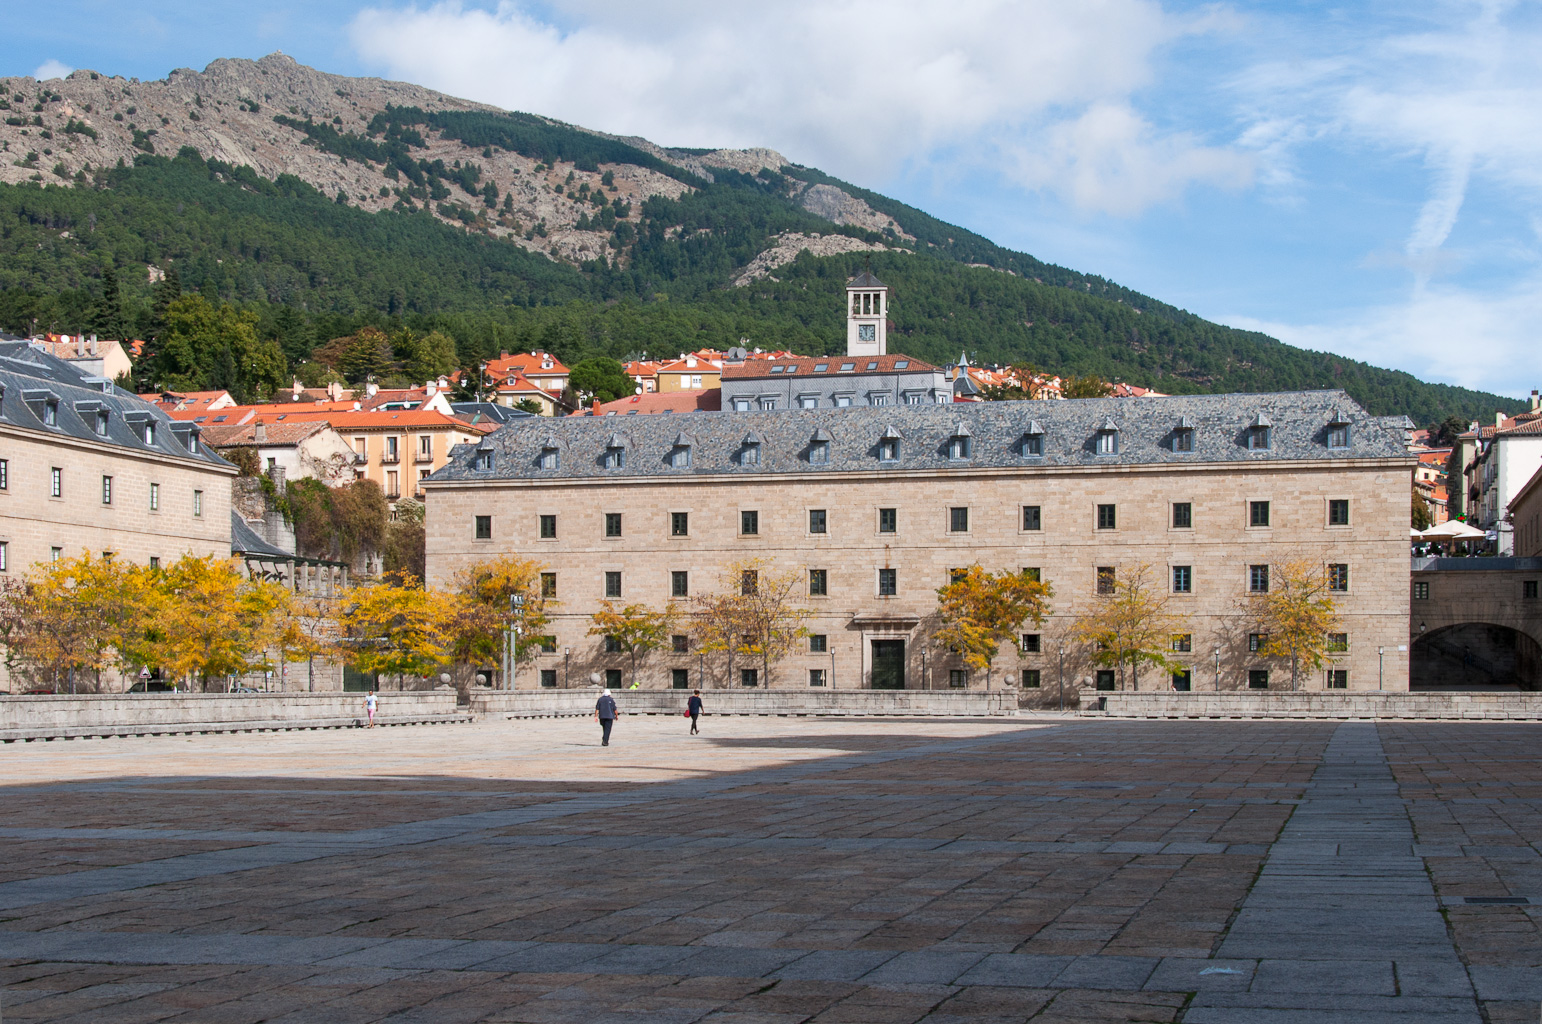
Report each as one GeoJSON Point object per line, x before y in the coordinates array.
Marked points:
{"type": "Point", "coordinates": [867, 332]}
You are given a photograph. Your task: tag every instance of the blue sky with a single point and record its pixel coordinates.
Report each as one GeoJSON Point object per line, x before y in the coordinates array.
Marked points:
{"type": "Point", "coordinates": [1362, 179]}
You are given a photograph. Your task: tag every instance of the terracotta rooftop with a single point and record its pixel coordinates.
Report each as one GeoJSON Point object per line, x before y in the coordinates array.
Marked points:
{"type": "Point", "coordinates": [225, 434]}
{"type": "Point", "coordinates": [703, 400]}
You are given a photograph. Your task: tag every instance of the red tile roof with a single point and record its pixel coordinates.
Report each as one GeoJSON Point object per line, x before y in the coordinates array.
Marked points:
{"type": "Point", "coordinates": [704, 400]}
{"type": "Point", "coordinates": [805, 366]}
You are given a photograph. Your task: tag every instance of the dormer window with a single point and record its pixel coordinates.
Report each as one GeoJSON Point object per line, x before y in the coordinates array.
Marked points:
{"type": "Point", "coordinates": [192, 442]}
{"type": "Point", "coordinates": [960, 443]}
{"type": "Point", "coordinates": [149, 432]}
{"type": "Point", "coordinates": [1032, 444]}
{"type": "Point", "coordinates": [1183, 435]}
{"type": "Point", "coordinates": [819, 448]}
{"type": "Point", "coordinates": [889, 446]}
{"type": "Point", "coordinates": [551, 458]}
{"type": "Point", "coordinates": [1258, 433]}
{"type": "Point", "coordinates": [808, 401]}
{"type": "Point", "coordinates": [680, 453]}
{"type": "Point", "coordinates": [101, 424]}
{"type": "Point", "coordinates": [741, 405]}
{"type": "Point", "coordinates": [1107, 442]}
{"type": "Point", "coordinates": [749, 451]}
{"type": "Point", "coordinates": [1338, 430]}
{"type": "Point", "coordinates": [615, 453]}
{"type": "Point", "coordinates": [482, 461]}
{"type": "Point", "coordinates": [50, 414]}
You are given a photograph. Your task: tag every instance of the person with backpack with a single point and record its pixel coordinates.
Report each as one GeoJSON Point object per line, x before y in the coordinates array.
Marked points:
{"type": "Point", "coordinates": [605, 713]}
{"type": "Point", "coordinates": [693, 708]}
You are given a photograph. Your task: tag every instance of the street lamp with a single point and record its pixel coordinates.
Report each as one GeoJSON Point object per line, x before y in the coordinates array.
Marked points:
{"type": "Point", "coordinates": [567, 676]}
{"type": "Point", "coordinates": [516, 606]}
{"type": "Point", "coordinates": [1061, 648]}
{"type": "Point", "coordinates": [1380, 659]}
{"type": "Point", "coordinates": [1217, 670]}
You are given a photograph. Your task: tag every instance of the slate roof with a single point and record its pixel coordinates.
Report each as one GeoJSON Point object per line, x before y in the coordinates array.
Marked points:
{"type": "Point", "coordinates": [80, 396]}
{"type": "Point", "coordinates": [865, 280]}
{"type": "Point", "coordinates": [826, 366]}
{"type": "Point", "coordinates": [1069, 433]}
{"type": "Point", "coordinates": [277, 434]}
{"type": "Point", "coordinates": [245, 541]}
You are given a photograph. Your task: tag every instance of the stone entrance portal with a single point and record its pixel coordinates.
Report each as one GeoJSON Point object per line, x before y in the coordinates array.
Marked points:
{"type": "Point", "coordinates": [888, 665]}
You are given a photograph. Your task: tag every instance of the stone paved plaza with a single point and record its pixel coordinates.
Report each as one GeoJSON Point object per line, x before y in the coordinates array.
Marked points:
{"type": "Point", "coordinates": [774, 871]}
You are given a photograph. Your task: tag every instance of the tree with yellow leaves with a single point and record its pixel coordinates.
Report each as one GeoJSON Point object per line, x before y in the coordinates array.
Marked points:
{"type": "Point", "coordinates": [395, 627]}
{"type": "Point", "coordinates": [1296, 615]}
{"type": "Point", "coordinates": [636, 628]}
{"type": "Point", "coordinates": [481, 613]}
{"type": "Point", "coordinates": [753, 617]}
{"type": "Point", "coordinates": [305, 629]}
{"type": "Point", "coordinates": [981, 610]}
{"type": "Point", "coordinates": [212, 620]}
{"type": "Point", "coordinates": [1129, 624]}
{"type": "Point", "coordinates": [67, 619]}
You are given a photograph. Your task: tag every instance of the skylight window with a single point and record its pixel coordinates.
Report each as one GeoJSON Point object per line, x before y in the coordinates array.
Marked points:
{"type": "Point", "coordinates": [902, 364]}
{"type": "Point", "coordinates": [776, 369]}
{"type": "Point", "coordinates": [872, 366]}
{"type": "Point", "coordinates": [848, 367]}
{"type": "Point", "coordinates": [792, 369]}
{"type": "Point", "coordinates": [821, 367]}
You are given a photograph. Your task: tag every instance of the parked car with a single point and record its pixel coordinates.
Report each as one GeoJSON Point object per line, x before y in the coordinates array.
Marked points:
{"type": "Point", "coordinates": [244, 689]}
{"type": "Point", "coordinates": [41, 690]}
{"type": "Point", "coordinates": [152, 686]}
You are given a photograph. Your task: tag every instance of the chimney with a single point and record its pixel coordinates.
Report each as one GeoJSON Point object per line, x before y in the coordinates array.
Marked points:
{"type": "Point", "coordinates": [93, 344]}
{"type": "Point", "coordinates": [260, 430]}
{"type": "Point", "coordinates": [431, 388]}
{"type": "Point", "coordinates": [1499, 419]}
{"type": "Point", "coordinates": [1534, 400]}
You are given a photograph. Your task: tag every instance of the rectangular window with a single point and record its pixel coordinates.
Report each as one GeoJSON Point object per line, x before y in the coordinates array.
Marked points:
{"type": "Point", "coordinates": [1183, 680]}
{"type": "Point", "coordinates": [1183, 643]}
{"type": "Point", "coordinates": [5, 474]}
{"type": "Point", "coordinates": [816, 521]}
{"type": "Point", "coordinates": [5, 551]}
{"type": "Point", "coordinates": [749, 677]}
{"type": "Point", "coordinates": [818, 643]}
{"type": "Point", "coordinates": [1421, 591]}
{"type": "Point", "coordinates": [1338, 512]}
{"type": "Point", "coordinates": [106, 490]}
{"type": "Point", "coordinates": [613, 645]}
{"type": "Point", "coordinates": [680, 643]}
{"type": "Point", "coordinates": [149, 433]}
{"type": "Point", "coordinates": [54, 554]}
{"type": "Point", "coordinates": [957, 576]}
{"type": "Point", "coordinates": [1338, 643]}
{"type": "Point", "coordinates": [1258, 513]}
{"type": "Point", "coordinates": [816, 677]}
{"type": "Point", "coordinates": [749, 523]}
{"type": "Point", "coordinates": [1258, 679]}
{"type": "Point", "coordinates": [1030, 679]}
{"type": "Point", "coordinates": [549, 527]}
{"type": "Point", "coordinates": [679, 583]}
{"type": "Point", "coordinates": [749, 582]}
{"type": "Point", "coordinates": [888, 582]}
{"type": "Point", "coordinates": [818, 583]}
{"type": "Point", "coordinates": [612, 584]}
{"type": "Point", "coordinates": [484, 527]}
{"type": "Point", "coordinates": [1338, 435]}
{"type": "Point", "coordinates": [888, 450]}
{"type": "Point", "coordinates": [393, 485]}
{"type": "Point", "coordinates": [1034, 573]}
{"type": "Point", "coordinates": [958, 678]}
{"type": "Point", "coordinates": [548, 644]}
{"type": "Point", "coordinates": [56, 482]}
{"type": "Point", "coordinates": [679, 524]}
{"type": "Point", "coordinates": [1183, 440]}
{"type": "Point", "coordinates": [1107, 517]}
{"type": "Point", "coordinates": [1108, 443]}
{"type": "Point", "coordinates": [197, 504]}
{"type": "Point", "coordinates": [155, 497]}
{"type": "Point", "coordinates": [1104, 679]}
{"type": "Point", "coordinates": [1183, 515]}
{"type": "Point", "coordinates": [550, 458]}
{"type": "Point", "coordinates": [1032, 519]}
{"type": "Point", "coordinates": [426, 446]}
{"type": "Point", "coordinates": [958, 519]}
{"type": "Point", "coordinates": [482, 461]}
{"type": "Point", "coordinates": [1338, 577]}
{"type": "Point", "coordinates": [1030, 643]}
{"type": "Point", "coordinates": [1258, 579]}
{"type": "Point", "coordinates": [1106, 579]}
{"type": "Point", "coordinates": [51, 414]}
{"type": "Point", "coordinates": [888, 520]}
{"type": "Point", "coordinates": [613, 678]}
{"type": "Point", "coordinates": [548, 584]}
{"type": "Point", "coordinates": [1183, 579]}
{"type": "Point", "coordinates": [613, 524]}
{"type": "Point", "coordinates": [1528, 589]}
{"type": "Point", "coordinates": [1338, 679]}
{"type": "Point", "coordinates": [548, 678]}
{"type": "Point", "coordinates": [1033, 446]}
{"type": "Point", "coordinates": [680, 678]}
{"type": "Point", "coordinates": [101, 424]}
{"type": "Point", "coordinates": [819, 453]}
{"type": "Point", "coordinates": [1257, 642]}
{"type": "Point", "coordinates": [155, 562]}
{"type": "Point", "coordinates": [1258, 438]}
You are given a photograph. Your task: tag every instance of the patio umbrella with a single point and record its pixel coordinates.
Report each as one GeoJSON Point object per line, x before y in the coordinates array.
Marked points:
{"type": "Point", "coordinates": [1454, 529]}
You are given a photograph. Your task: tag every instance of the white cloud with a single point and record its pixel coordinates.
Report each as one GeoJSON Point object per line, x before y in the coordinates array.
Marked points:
{"type": "Point", "coordinates": [51, 69]}
{"type": "Point", "coordinates": [858, 87]}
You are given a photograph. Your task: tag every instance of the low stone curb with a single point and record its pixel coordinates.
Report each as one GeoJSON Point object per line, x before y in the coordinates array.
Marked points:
{"type": "Point", "coordinates": [177, 728]}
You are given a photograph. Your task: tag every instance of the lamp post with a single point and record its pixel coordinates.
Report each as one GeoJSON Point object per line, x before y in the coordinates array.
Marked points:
{"type": "Point", "coordinates": [516, 606]}
{"type": "Point", "coordinates": [567, 668]}
{"type": "Point", "coordinates": [1061, 649]}
{"type": "Point", "coordinates": [1217, 670]}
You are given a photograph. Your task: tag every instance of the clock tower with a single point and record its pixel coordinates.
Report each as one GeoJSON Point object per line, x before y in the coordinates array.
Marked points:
{"type": "Point", "coordinates": [867, 309]}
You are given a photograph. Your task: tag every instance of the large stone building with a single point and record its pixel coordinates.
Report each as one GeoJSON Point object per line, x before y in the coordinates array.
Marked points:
{"type": "Point", "coordinates": [872, 507]}
{"type": "Point", "coordinates": [86, 466]}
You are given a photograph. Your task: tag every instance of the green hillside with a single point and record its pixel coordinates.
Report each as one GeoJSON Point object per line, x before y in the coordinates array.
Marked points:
{"type": "Point", "coordinates": [312, 269]}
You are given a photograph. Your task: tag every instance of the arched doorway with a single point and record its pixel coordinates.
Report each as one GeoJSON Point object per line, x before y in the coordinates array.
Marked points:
{"type": "Point", "coordinates": [1475, 656]}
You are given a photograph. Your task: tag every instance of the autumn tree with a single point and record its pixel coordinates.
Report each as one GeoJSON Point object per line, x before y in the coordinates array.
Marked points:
{"type": "Point", "coordinates": [1087, 386]}
{"type": "Point", "coordinates": [1296, 615]}
{"type": "Point", "coordinates": [68, 618]}
{"type": "Point", "coordinates": [340, 523]}
{"type": "Point", "coordinates": [753, 616]}
{"type": "Point", "coordinates": [1129, 623]}
{"type": "Point", "coordinates": [213, 621]}
{"type": "Point", "coordinates": [396, 627]}
{"type": "Point", "coordinates": [981, 610]}
{"type": "Point", "coordinates": [637, 629]}
{"type": "Point", "coordinates": [307, 629]}
{"type": "Point", "coordinates": [481, 612]}
{"type": "Point", "coordinates": [718, 627]}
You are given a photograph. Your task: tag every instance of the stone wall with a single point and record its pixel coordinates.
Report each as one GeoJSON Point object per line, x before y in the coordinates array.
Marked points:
{"type": "Point", "coordinates": [856, 703]}
{"type": "Point", "coordinates": [1480, 706]}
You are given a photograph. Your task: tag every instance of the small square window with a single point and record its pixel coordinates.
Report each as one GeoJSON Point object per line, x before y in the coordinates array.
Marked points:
{"type": "Point", "coordinates": [1528, 589]}
{"type": "Point", "coordinates": [816, 520]}
{"type": "Point", "coordinates": [1183, 680]}
{"type": "Point", "coordinates": [1258, 679]}
{"type": "Point", "coordinates": [888, 520]}
{"type": "Point", "coordinates": [1106, 579]}
{"type": "Point", "coordinates": [1034, 573]}
{"type": "Point", "coordinates": [548, 644]}
{"type": "Point", "coordinates": [1338, 578]}
{"type": "Point", "coordinates": [818, 643]}
{"type": "Point", "coordinates": [818, 583]}
{"type": "Point", "coordinates": [679, 524]}
{"type": "Point", "coordinates": [1031, 643]}
{"type": "Point", "coordinates": [749, 677]}
{"type": "Point", "coordinates": [549, 527]}
{"type": "Point", "coordinates": [54, 554]}
{"type": "Point", "coordinates": [1258, 579]}
{"type": "Point", "coordinates": [613, 678]}
{"type": "Point", "coordinates": [1338, 512]}
{"type": "Point", "coordinates": [680, 678]}
{"type": "Point", "coordinates": [1338, 679]}
{"type": "Point", "coordinates": [484, 527]}
{"type": "Point", "coordinates": [612, 584]}
{"type": "Point", "coordinates": [548, 678]}
{"type": "Point", "coordinates": [1031, 679]}
{"type": "Point", "coordinates": [958, 519]}
{"type": "Point", "coordinates": [816, 677]}
{"type": "Point", "coordinates": [1104, 679]}
{"type": "Point", "coordinates": [1338, 643]}
{"type": "Point", "coordinates": [1107, 517]}
{"type": "Point", "coordinates": [550, 458]}
{"type": "Point", "coordinates": [1257, 642]}
{"type": "Point", "coordinates": [819, 453]}
{"type": "Point", "coordinates": [613, 524]}
{"type": "Point", "coordinates": [1033, 446]}
{"type": "Point", "coordinates": [749, 455]}
{"type": "Point", "coordinates": [613, 645]}
{"type": "Point", "coordinates": [680, 643]}
{"type": "Point", "coordinates": [615, 458]}
{"type": "Point", "coordinates": [1422, 591]}
{"type": "Point", "coordinates": [749, 523]}
{"type": "Point", "coordinates": [888, 582]}
{"type": "Point", "coordinates": [679, 583]}
{"type": "Point", "coordinates": [1183, 515]}
{"type": "Point", "coordinates": [1032, 518]}
{"type": "Point", "coordinates": [1183, 643]}
{"type": "Point", "coordinates": [1183, 579]}
{"type": "Point", "coordinates": [958, 448]}
{"type": "Point", "coordinates": [680, 458]}
{"type": "Point", "coordinates": [1108, 443]}
{"type": "Point", "coordinates": [548, 584]}
{"type": "Point", "coordinates": [1258, 513]}
{"type": "Point", "coordinates": [958, 678]}
{"type": "Point", "coordinates": [1258, 438]}
{"type": "Point", "coordinates": [482, 461]}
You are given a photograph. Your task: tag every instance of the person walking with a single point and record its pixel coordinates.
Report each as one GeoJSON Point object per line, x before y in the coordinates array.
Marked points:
{"type": "Point", "coordinates": [370, 700]}
{"type": "Point", "coordinates": [605, 713]}
{"type": "Point", "coordinates": [693, 708]}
